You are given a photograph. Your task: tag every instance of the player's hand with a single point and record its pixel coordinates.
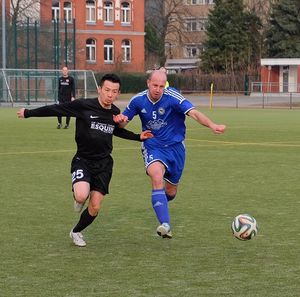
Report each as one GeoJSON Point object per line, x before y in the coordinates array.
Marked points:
{"type": "Point", "coordinates": [73, 98]}
{"type": "Point", "coordinates": [120, 118]}
{"type": "Point", "coordinates": [146, 134]}
{"type": "Point", "coordinates": [218, 129]}
{"type": "Point", "coordinates": [20, 113]}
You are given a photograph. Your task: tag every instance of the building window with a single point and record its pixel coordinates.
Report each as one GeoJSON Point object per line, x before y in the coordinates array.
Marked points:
{"type": "Point", "coordinates": [108, 12]}
{"type": "Point", "coordinates": [192, 2]}
{"type": "Point", "coordinates": [202, 24]}
{"type": "Point", "coordinates": [192, 50]}
{"type": "Point", "coordinates": [126, 50]}
{"type": "Point", "coordinates": [68, 12]}
{"type": "Point", "coordinates": [69, 52]}
{"type": "Point", "coordinates": [199, 2]}
{"type": "Point", "coordinates": [55, 10]}
{"type": "Point", "coordinates": [90, 11]}
{"type": "Point", "coordinates": [91, 50]}
{"type": "Point", "coordinates": [108, 51]}
{"type": "Point", "coordinates": [191, 25]}
{"type": "Point", "coordinates": [125, 13]}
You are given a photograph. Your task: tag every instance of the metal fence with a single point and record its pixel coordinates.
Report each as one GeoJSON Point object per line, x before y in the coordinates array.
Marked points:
{"type": "Point", "coordinates": [29, 86]}
{"type": "Point", "coordinates": [34, 45]}
{"type": "Point", "coordinates": [240, 100]}
{"type": "Point", "coordinates": [274, 87]}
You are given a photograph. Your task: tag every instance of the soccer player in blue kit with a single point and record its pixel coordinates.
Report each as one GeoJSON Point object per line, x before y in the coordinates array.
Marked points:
{"type": "Point", "coordinates": [163, 111]}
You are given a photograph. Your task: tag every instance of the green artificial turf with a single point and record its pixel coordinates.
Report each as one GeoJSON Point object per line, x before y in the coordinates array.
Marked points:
{"type": "Point", "coordinates": [253, 168]}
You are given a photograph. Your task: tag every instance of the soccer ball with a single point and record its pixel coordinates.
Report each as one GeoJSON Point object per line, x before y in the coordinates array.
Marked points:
{"type": "Point", "coordinates": [244, 227]}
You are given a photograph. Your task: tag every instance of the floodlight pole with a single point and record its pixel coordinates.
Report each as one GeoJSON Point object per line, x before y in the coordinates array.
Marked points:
{"type": "Point", "coordinates": [3, 36]}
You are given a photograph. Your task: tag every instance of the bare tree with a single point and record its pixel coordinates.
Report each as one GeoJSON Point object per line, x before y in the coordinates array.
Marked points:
{"type": "Point", "coordinates": [260, 7]}
{"type": "Point", "coordinates": [168, 19]}
{"type": "Point", "coordinates": [20, 13]}
{"type": "Point", "coordinates": [20, 10]}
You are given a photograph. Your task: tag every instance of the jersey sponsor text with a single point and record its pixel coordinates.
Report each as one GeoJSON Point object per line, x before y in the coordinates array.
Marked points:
{"type": "Point", "coordinates": [106, 128]}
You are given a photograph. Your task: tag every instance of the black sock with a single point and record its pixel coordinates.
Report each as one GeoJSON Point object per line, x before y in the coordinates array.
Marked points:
{"type": "Point", "coordinates": [170, 198]}
{"type": "Point", "coordinates": [85, 220]}
{"type": "Point", "coordinates": [68, 121]}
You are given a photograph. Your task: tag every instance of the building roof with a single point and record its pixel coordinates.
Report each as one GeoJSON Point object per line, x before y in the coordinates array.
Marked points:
{"type": "Point", "coordinates": [181, 64]}
{"type": "Point", "coordinates": [280, 61]}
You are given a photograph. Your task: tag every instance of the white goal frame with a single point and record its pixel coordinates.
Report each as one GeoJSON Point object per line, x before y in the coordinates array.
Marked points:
{"type": "Point", "coordinates": [28, 86]}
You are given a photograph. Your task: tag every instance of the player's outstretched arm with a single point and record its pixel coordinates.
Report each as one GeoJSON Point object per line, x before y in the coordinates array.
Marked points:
{"type": "Point", "coordinates": [20, 113]}
{"type": "Point", "coordinates": [205, 121]}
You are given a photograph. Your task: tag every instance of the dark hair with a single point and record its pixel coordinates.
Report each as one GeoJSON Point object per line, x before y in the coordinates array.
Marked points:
{"type": "Point", "coordinates": [110, 77]}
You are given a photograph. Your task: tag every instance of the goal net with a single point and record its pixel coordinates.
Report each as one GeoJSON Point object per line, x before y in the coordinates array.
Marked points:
{"type": "Point", "coordinates": [28, 86]}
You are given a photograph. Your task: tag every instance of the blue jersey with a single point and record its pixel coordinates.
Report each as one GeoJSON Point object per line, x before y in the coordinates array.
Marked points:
{"type": "Point", "coordinates": [165, 118]}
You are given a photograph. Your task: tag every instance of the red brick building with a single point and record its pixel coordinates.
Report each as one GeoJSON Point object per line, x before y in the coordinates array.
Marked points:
{"type": "Point", "coordinates": [109, 35]}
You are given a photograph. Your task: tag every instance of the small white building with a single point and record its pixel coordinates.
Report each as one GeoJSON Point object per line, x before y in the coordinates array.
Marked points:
{"type": "Point", "coordinates": [280, 75]}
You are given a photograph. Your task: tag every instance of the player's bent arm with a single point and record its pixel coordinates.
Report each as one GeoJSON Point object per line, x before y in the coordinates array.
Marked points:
{"type": "Point", "coordinates": [205, 121]}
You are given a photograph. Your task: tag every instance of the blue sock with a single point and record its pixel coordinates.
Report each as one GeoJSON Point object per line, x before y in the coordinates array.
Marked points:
{"type": "Point", "coordinates": [160, 205]}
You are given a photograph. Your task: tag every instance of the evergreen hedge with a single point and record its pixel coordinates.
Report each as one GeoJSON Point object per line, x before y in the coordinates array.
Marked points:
{"type": "Point", "coordinates": [188, 82]}
{"type": "Point", "coordinates": [131, 82]}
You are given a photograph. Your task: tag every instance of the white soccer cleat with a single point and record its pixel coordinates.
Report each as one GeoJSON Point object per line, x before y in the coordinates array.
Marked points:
{"type": "Point", "coordinates": [78, 206]}
{"type": "Point", "coordinates": [164, 230]}
{"type": "Point", "coordinates": [77, 238]}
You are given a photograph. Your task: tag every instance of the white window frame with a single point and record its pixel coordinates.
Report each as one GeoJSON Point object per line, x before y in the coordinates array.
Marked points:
{"type": "Point", "coordinates": [108, 12]}
{"type": "Point", "coordinates": [68, 12]}
{"type": "Point", "coordinates": [108, 51]}
{"type": "Point", "coordinates": [90, 11]}
{"type": "Point", "coordinates": [55, 10]}
{"type": "Point", "coordinates": [125, 13]}
{"type": "Point", "coordinates": [191, 51]}
{"type": "Point", "coordinates": [192, 2]}
{"type": "Point", "coordinates": [91, 50]}
{"type": "Point", "coordinates": [126, 51]}
{"type": "Point", "coordinates": [191, 25]}
{"type": "Point", "coordinates": [202, 24]}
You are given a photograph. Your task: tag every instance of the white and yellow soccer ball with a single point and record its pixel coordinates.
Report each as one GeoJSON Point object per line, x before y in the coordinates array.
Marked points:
{"type": "Point", "coordinates": [244, 227]}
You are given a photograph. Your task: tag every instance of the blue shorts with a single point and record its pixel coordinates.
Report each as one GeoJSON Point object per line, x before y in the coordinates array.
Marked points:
{"type": "Point", "coordinates": [173, 158]}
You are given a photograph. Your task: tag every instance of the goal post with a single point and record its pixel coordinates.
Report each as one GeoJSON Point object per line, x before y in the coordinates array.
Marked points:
{"type": "Point", "coordinates": [28, 86]}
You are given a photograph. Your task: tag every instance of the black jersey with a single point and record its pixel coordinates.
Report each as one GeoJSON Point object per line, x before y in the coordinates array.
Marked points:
{"type": "Point", "coordinates": [94, 125]}
{"type": "Point", "coordinates": [66, 88]}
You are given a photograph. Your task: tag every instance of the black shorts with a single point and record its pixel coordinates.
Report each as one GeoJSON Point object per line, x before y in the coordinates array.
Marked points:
{"type": "Point", "coordinates": [96, 172]}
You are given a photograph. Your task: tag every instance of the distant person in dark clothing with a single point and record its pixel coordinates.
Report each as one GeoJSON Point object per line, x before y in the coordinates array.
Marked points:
{"type": "Point", "coordinates": [66, 93]}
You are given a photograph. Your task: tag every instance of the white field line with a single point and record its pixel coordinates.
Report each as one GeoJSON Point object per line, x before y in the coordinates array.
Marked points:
{"type": "Point", "coordinates": [235, 143]}
{"type": "Point", "coordinates": [197, 143]}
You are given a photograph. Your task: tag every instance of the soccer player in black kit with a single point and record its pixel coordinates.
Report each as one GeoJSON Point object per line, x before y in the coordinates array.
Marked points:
{"type": "Point", "coordinates": [92, 164]}
{"type": "Point", "coordinates": [66, 93]}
